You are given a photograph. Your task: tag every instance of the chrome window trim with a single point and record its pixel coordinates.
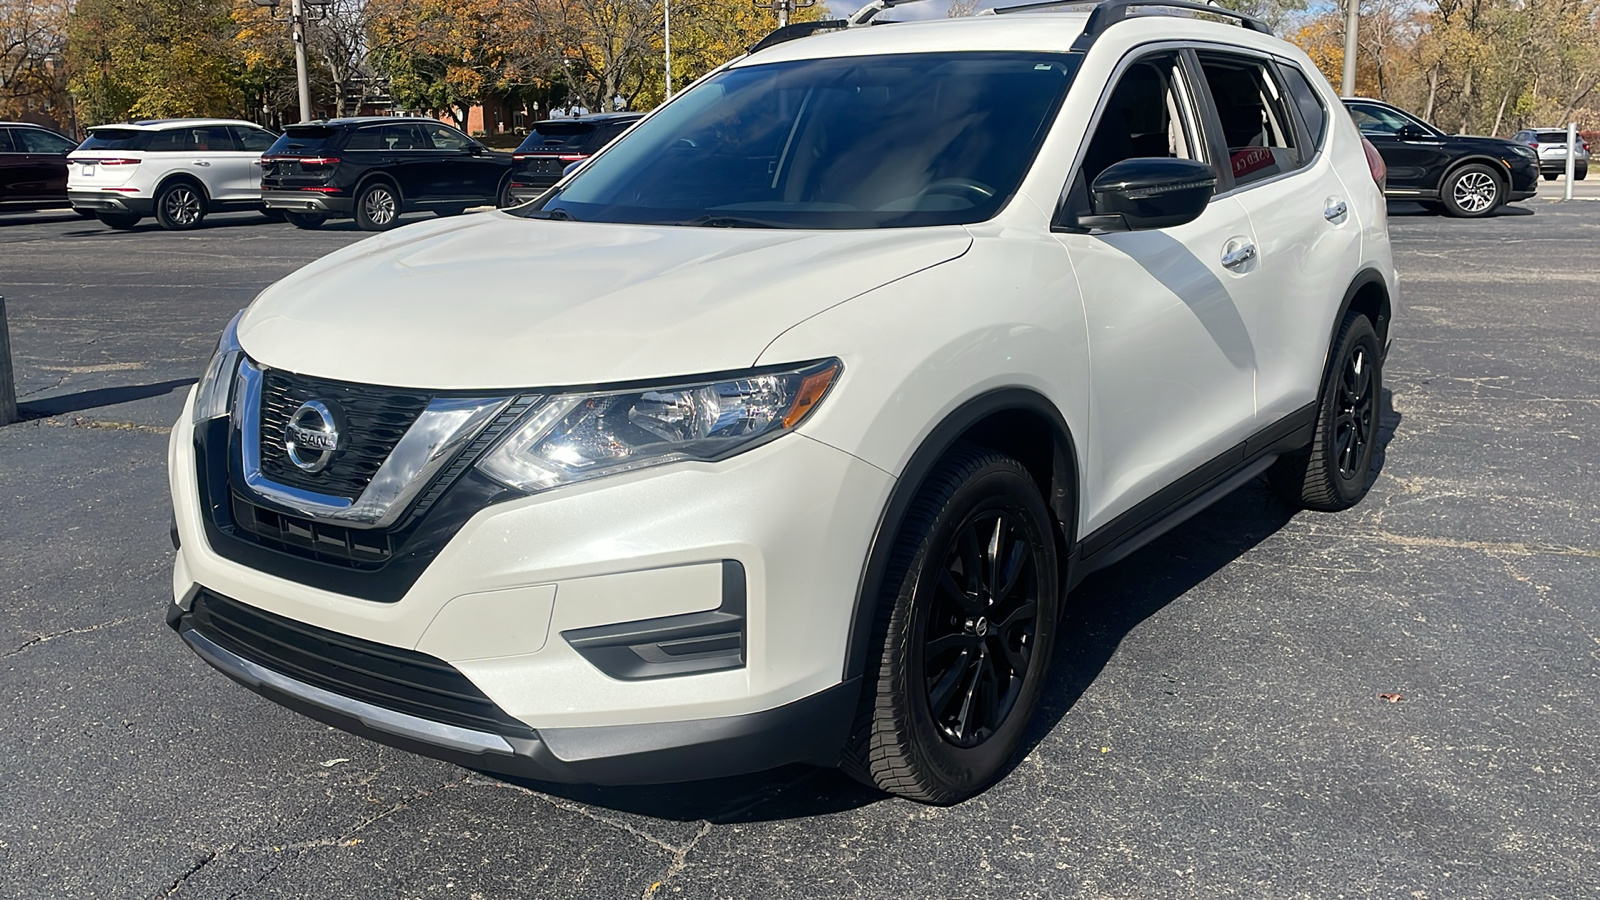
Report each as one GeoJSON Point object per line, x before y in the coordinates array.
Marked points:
{"type": "Point", "coordinates": [438, 434]}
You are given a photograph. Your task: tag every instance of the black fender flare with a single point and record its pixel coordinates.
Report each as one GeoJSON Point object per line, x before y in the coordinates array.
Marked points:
{"type": "Point", "coordinates": [1061, 498]}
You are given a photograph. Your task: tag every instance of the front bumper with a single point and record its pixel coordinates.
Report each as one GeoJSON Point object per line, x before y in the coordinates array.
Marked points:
{"type": "Point", "coordinates": [565, 608]}
{"type": "Point", "coordinates": [308, 202]}
{"type": "Point", "coordinates": [111, 202]}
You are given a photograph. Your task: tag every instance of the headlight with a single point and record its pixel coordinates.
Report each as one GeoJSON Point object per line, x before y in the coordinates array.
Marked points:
{"type": "Point", "coordinates": [1522, 151]}
{"type": "Point", "coordinates": [576, 437]}
{"type": "Point", "coordinates": [212, 398]}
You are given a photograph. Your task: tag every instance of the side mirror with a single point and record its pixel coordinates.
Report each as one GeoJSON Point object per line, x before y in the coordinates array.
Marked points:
{"type": "Point", "coordinates": [1151, 192]}
{"type": "Point", "coordinates": [478, 150]}
{"type": "Point", "coordinates": [1410, 132]}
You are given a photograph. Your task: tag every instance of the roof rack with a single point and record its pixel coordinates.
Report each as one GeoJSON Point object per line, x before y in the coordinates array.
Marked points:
{"type": "Point", "coordinates": [798, 30]}
{"type": "Point", "coordinates": [1106, 13]}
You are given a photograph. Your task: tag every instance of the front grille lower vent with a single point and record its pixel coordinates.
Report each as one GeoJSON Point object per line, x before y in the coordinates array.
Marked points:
{"type": "Point", "coordinates": [391, 677]}
{"type": "Point", "coordinates": [323, 541]}
{"type": "Point", "coordinates": [374, 420]}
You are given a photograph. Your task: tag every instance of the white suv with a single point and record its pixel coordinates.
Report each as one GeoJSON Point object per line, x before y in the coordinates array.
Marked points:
{"type": "Point", "coordinates": [778, 430]}
{"type": "Point", "coordinates": [176, 169]}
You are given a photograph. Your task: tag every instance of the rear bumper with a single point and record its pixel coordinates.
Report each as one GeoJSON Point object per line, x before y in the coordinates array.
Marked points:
{"type": "Point", "coordinates": [111, 202]}
{"type": "Point", "coordinates": [812, 729]}
{"type": "Point", "coordinates": [1559, 166]}
{"type": "Point", "coordinates": [308, 202]}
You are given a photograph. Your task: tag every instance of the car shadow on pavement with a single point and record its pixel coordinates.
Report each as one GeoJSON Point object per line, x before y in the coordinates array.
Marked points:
{"type": "Point", "coordinates": [1098, 615]}
{"type": "Point", "coordinates": [1407, 208]}
{"type": "Point", "coordinates": [93, 399]}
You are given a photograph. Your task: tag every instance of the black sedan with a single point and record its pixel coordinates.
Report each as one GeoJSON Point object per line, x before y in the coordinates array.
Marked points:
{"type": "Point", "coordinates": [556, 144]}
{"type": "Point", "coordinates": [33, 167]}
{"type": "Point", "coordinates": [377, 168]}
{"type": "Point", "coordinates": [1461, 175]}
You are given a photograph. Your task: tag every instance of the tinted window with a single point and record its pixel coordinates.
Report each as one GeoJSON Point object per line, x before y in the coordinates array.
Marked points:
{"type": "Point", "coordinates": [1552, 137]}
{"type": "Point", "coordinates": [1252, 110]}
{"type": "Point", "coordinates": [299, 140]}
{"type": "Point", "coordinates": [37, 140]}
{"type": "Point", "coordinates": [115, 139]}
{"type": "Point", "coordinates": [369, 138]}
{"type": "Point", "coordinates": [1309, 102]}
{"type": "Point", "coordinates": [5, 140]}
{"type": "Point", "coordinates": [206, 139]}
{"type": "Point", "coordinates": [1378, 120]}
{"type": "Point", "coordinates": [403, 137]}
{"type": "Point", "coordinates": [446, 138]}
{"type": "Point", "coordinates": [851, 142]}
{"type": "Point", "coordinates": [1145, 116]}
{"type": "Point", "coordinates": [253, 140]}
{"type": "Point", "coordinates": [559, 137]}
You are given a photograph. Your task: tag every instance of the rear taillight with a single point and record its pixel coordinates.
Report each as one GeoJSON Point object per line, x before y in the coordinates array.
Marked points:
{"type": "Point", "coordinates": [111, 161]}
{"type": "Point", "coordinates": [1380, 172]}
{"type": "Point", "coordinates": [572, 157]}
{"type": "Point", "coordinates": [1534, 145]}
{"type": "Point", "coordinates": [319, 160]}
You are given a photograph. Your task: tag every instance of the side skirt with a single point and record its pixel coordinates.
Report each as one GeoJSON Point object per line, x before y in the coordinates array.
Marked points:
{"type": "Point", "coordinates": [1179, 501]}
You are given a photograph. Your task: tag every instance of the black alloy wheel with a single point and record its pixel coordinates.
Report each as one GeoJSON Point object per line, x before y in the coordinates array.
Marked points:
{"type": "Point", "coordinates": [377, 207]}
{"type": "Point", "coordinates": [962, 639]}
{"type": "Point", "coordinates": [979, 633]}
{"type": "Point", "coordinates": [180, 206]}
{"type": "Point", "coordinates": [119, 221]}
{"type": "Point", "coordinates": [308, 221]}
{"type": "Point", "coordinates": [1335, 472]}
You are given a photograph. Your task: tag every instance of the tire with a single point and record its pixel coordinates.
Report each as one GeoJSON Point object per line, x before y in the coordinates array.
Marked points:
{"type": "Point", "coordinates": [84, 213]}
{"type": "Point", "coordinates": [119, 221]}
{"type": "Point", "coordinates": [180, 205]}
{"type": "Point", "coordinates": [273, 215]}
{"type": "Point", "coordinates": [1580, 173]}
{"type": "Point", "coordinates": [308, 221]}
{"type": "Point", "coordinates": [944, 738]}
{"type": "Point", "coordinates": [1472, 191]}
{"type": "Point", "coordinates": [445, 212]}
{"type": "Point", "coordinates": [1433, 206]}
{"type": "Point", "coordinates": [378, 207]}
{"type": "Point", "coordinates": [502, 197]}
{"type": "Point", "coordinates": [1335, 472]}
{"type": "Point", "coordinates": [1549, 178]}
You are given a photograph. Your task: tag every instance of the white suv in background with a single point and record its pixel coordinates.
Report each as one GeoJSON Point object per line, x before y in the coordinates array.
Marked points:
{"type": "Point", "coordinates": [778, 430]}
{"type": "Point", "coordinates": [175, 169]}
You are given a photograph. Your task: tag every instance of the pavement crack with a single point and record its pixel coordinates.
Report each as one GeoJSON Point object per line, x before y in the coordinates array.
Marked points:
{"type": "Point", "coordinates": [1515, 548]}
{"type": "Point", "coordinates": [680, 859]}
{"type": "Point", "coordinates": [210, 857]}
{"type": "Point", "coordinates": [588, 813]}
{"type": "Point", "coordinates": [39, 639]}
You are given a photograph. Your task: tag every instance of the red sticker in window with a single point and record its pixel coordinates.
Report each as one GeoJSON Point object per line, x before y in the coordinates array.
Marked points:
{"type": "Point", "coordinates": [1251, 159]}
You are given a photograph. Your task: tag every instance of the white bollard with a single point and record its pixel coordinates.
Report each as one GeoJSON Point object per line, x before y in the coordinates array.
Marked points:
{"type": "Point", "coordinates": [1572, 156]}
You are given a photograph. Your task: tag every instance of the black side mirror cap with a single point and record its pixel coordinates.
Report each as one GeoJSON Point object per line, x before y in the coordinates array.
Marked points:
{"type": "Point", "coordinates": [1148, 192]}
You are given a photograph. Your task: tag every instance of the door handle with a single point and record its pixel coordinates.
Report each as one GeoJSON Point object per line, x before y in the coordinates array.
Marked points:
{"type": "Point", "coordinates": [1239, 255]}
{"type": "Point", "coordinates": [1335, 210]}
{"type": "Point", "coordinates": [201, 162]}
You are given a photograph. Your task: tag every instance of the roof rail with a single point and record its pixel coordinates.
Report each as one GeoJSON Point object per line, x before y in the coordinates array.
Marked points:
{"type": "Point", "coordinates": [798, 30]}
{"type": "Point", "coordinates": [1107, 13]}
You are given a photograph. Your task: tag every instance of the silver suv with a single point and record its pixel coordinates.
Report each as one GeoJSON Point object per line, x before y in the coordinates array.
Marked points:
{"type": "Point", "coordinates": [1551, 145]}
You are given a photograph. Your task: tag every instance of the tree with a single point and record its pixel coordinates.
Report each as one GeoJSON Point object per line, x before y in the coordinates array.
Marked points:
{"type": "Point", "coordinates": [446, 56]}
{"type": "Point", "coordinates": [153, 58]}
{"type": "Point", "coordinates": [33, 37]}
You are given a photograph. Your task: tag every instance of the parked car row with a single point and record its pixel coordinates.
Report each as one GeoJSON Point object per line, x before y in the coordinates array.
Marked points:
{"type": "Point", "coordinates": [371, 169]}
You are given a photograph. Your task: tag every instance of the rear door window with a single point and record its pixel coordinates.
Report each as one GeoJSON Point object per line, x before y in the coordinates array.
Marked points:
{"type": "Point", "coordinates": [116, 139]}
{"type": "Point", "coordinates": [403, 137]}
{"type": "Point", "coordinates": [205, 139]}
{"type": "Point", "coordinates": [1252, 110]}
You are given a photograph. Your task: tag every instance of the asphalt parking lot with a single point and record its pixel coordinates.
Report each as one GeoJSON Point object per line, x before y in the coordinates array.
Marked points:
{"type": "Point", "coordinates": [1213, 729]}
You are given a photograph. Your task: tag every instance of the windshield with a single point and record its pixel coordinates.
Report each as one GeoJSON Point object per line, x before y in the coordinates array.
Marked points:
{"type": "Point", "coordinates": [855, 142]}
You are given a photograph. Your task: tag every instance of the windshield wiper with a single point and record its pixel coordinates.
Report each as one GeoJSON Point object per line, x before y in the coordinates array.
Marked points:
{"type": "Point", "coordinates": [559, 215]}
{"type": "Point", "coordinates": [715, 221]}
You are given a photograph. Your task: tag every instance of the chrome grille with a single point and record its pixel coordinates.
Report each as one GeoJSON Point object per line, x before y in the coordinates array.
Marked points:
{"type": "Point", "coordinates": [375, 418]}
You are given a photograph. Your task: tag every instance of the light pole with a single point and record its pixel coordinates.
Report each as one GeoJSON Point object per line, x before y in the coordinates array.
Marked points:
{"type": "Point", "coordinates": [297, 33]}
{"type": "Point", "coordinates": [1352, 25]}
{"type": "Point", "coordinates": [666, 17]}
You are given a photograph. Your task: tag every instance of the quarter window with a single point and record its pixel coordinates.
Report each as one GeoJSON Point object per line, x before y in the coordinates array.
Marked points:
{"type": "Point", "coordinates": [1253, 112]}
{"type": "Point", "coordinates": [1309, 102]}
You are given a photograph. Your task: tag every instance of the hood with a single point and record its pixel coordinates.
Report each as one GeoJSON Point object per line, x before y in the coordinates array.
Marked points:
{"type": "Point", "coordinates": [1483, 142]}
{"type": "Point", "coordinates": [497, 301]}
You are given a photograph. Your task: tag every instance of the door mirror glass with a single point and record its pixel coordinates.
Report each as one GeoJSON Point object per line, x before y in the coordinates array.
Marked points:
{"type": "Point", "coordinates": [1149, 192]}
{"type": "Point", "coordinates": [1412, 132]}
